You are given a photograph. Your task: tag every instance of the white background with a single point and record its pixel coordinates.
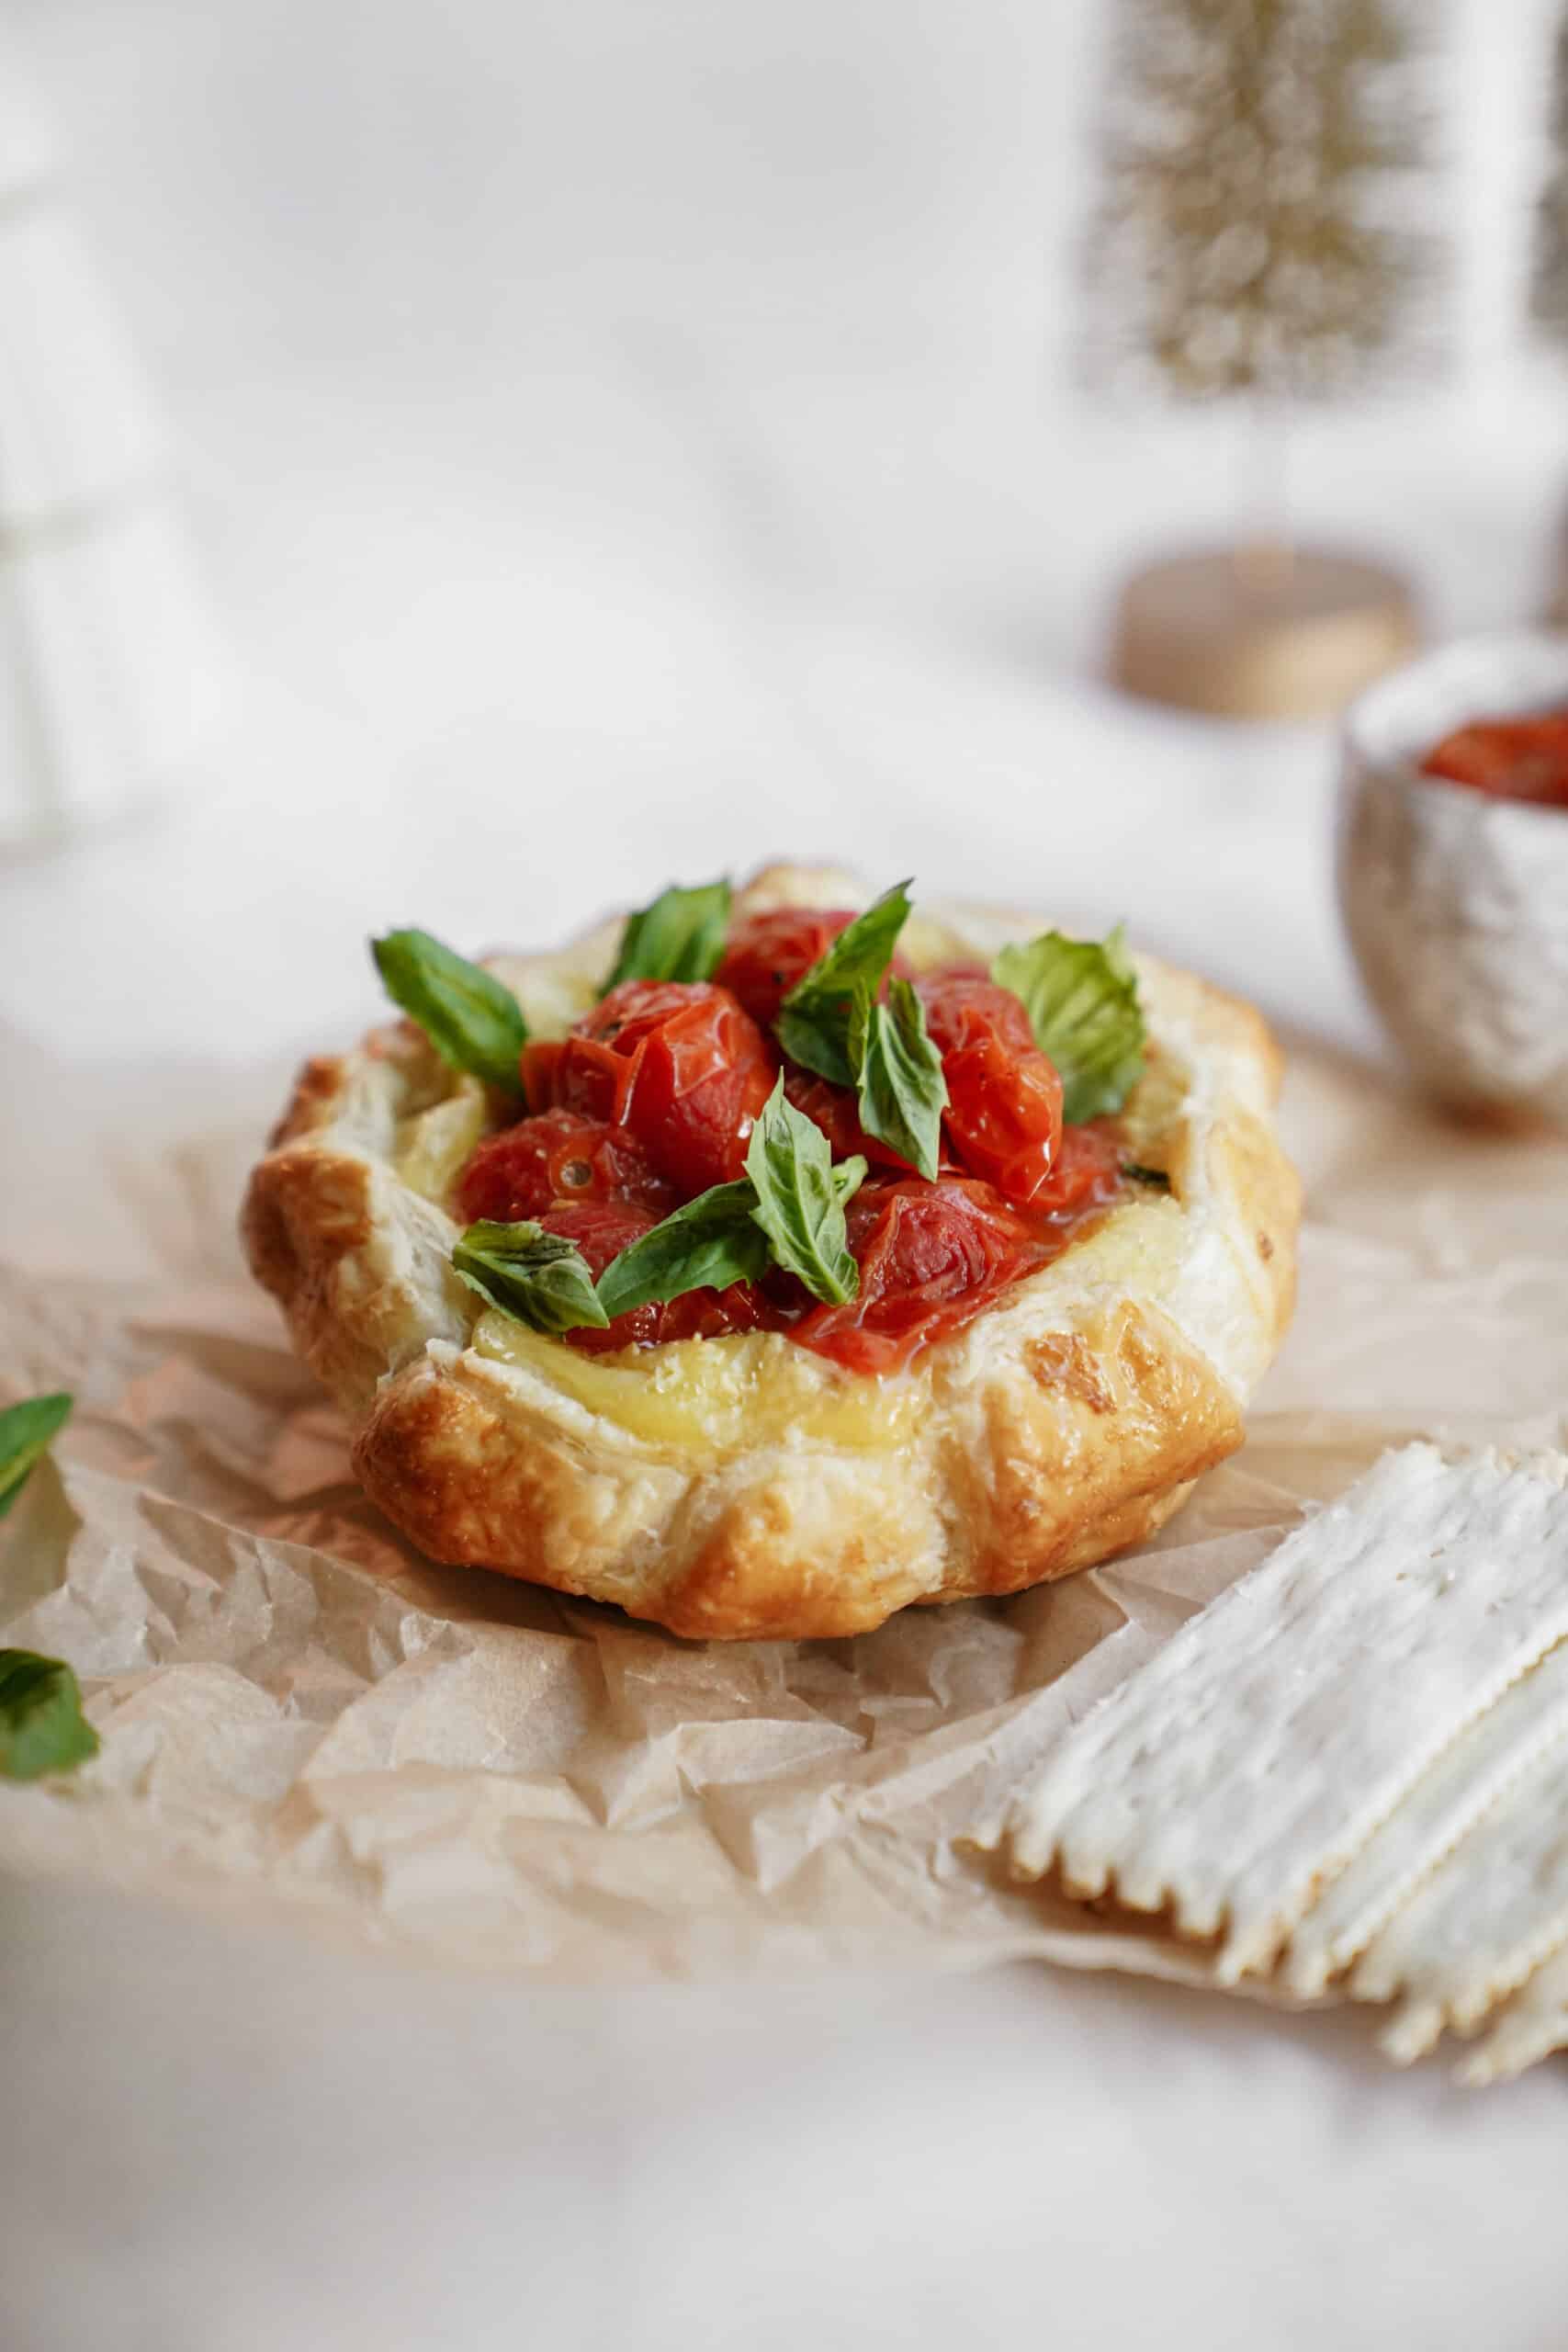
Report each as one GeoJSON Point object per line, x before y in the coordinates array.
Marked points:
{"type": "Point", "coordinates": [631, 439]}
{"type": "Point", "coordinates": [627, 438]}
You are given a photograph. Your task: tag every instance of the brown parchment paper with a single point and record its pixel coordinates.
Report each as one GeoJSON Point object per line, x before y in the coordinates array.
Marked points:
{"type": "Point", "coordinates": [298, 1711]}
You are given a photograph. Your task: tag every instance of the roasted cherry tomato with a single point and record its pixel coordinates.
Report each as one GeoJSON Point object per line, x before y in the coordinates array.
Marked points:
{"type": "Point", "coordinates": [768, 953]}
{"type": "Point", "coordinates": [546, 1087]}
{"type": "Point", "coordinates": [836, 1111]}
{"type": "Point", "coordinates": [602, 1229]}
{"type": "Point", "coordinates": [559, 1156]}
{"type": "Point", "coordinates": [677, 1062]}
{"type": "Point", "coordinates": [1084, 1174]}
{"type": "Point", "coordinates": [1519, 759]}
{"type": "Point", "coordinates": [1004, 1108]}
{"type": "Point", "coordinates": [707, 1314]}
{"type": "Point", "coordinates": [930, 1257]}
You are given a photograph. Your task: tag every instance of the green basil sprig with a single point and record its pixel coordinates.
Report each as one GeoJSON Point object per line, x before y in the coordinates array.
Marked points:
{"type": "Point", "coordinates": [680, 937]}
{"type": "Point", "coordinates": [1082, 1001]}
{"type": "Point", "coordinates": [538, 1277]}
{"type": "Point", "coordinates": [832, 1023]}
{"type": "Point", "coordinates": [26, 1431]}
{"type": "Point", "coordinates": [707, 1245]}
{"type": "Point", "coordinates": [42, 1728]}
{"type": "Point", "coordinates": [471, 1018]}
{"type": "Point", "coordinates": [813, 1025]}
{"type": "Point", "coordinates": [901, 1090]}
{"type": "Point", "coordinates": [800, 1196]}
{"type": "Point", "coordinates": [788, 1211]}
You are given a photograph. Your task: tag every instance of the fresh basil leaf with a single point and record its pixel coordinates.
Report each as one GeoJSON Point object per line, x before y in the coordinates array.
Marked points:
{"type": "Point", "coordinates": [42, 1728]}
{"type": "Point", "coordinates": [680, 937]}
{"type": "Point", "coordinates": [1082, 1001]}
{"type": "Point", "coordinates": [538, 1277]}
{"type": "Point", "coordinates": [1155, 1178]}
{"type": "Point", "coordinates": [471, 1018]}
{"type": "Point", "coordinates": [707, 1245]}
{"type": "Point", "coordinates": [25, 1432]}
{"type": "Point", "coordinates": [800, 1198]}
{"type": "Point", "coordinates": [902, 1091]}
{"type": "Point", "coordinates": [813, 1025]}
{"type": "Point", "coordinates": [1115, 946]}
{"type": "Point", "coordinates": [849, 1175]}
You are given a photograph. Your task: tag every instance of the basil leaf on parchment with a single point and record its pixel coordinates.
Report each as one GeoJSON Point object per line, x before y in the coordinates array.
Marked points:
{"type": "Point", "coordinates": [680, 937]}
{"type": "Point", "coordinates": [538, 1277]}
{"type": "Point", "coordinates": [1081, 997]}
{"type": "Point", "coordinates": [471, 1018]}
{"type": "Point", "coordinates": [708, 1244]}
{"type": "Point", "coordinates": [902, 1091]}
{"type": "Point", "coordinates": [813, 1025]}
{"type": "Point", "coordinates": [42, 1728]}
{"type": "Point", "coordinates": [800, 1198]}
{"type": "Point", "coordinates": [26, 1431]}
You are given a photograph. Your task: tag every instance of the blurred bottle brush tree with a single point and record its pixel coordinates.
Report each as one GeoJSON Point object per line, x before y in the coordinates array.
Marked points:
{"type": "Point", "coordinates": [1250, 237]}
{"type": "Point", "coordinates": [1256, 237]}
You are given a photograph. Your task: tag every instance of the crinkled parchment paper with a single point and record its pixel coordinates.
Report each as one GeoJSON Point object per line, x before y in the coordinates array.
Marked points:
{"type": "Point", "coordinates": [296, 1710]}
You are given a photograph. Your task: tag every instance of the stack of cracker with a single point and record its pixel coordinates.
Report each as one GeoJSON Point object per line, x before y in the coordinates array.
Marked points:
{"type": "Point", "coordinates": [1350, 1774]}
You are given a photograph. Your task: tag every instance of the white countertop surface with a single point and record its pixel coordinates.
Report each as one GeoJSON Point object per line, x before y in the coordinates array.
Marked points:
{"type": "Point", "coordinates": [618, 444]}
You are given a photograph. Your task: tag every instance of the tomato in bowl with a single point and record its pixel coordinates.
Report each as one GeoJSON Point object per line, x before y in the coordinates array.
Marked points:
{"type": "Point", "coordinates": [1452, 871]}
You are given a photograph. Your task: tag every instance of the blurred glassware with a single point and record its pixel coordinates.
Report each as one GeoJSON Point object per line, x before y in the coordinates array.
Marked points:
{"type": "Point", "coordinates": [112, 675]}
{"type": "Point", "coordinates": [1455, 900]}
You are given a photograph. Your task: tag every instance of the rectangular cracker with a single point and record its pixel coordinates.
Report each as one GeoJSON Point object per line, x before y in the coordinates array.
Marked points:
{"type": "Point", "coordinates": [1529, 2028]}
{"type": "Point", "coordinates": [1472, 1775]}
{"type": "Point", "coordinates": [1242, 1767]}
{"type": "Point", "coordinates": [1484, 1920]}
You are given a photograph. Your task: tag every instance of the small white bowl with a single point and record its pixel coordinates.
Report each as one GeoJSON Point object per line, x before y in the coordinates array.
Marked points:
{"type": "Point", "coordinates": [1456, 902]}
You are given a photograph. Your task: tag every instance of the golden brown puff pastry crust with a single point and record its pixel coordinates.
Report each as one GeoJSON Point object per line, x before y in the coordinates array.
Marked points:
{"type": "Point", "coordinates": [744, 1487]}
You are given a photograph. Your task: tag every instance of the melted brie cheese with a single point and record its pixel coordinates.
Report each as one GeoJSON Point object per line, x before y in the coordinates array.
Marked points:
{"type": "Point", "coordinates": [717, 1396]}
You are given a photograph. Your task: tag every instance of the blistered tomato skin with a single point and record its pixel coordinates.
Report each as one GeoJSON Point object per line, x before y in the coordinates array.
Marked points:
{"type": "Point", "coordinates": [965, 1003]}
{"type": "Point", "coordinates": [578, 1074]}
{"type": "Point", "coordinates": [559, 1156]}
{"type": "Point", "coordinates": [1086, 1174]}
{"type": "Point", "coordinates": [836, 1111]}
{"type": "Point", "coordinates": [769, 952]}
{"type": "Point", "coordinates": [678, 1063]}
{"type": "Point", "coordinates": [930, 1257]}
{"type": "Point", "coordinates": [707, 1314]}
{"type": "Point", "coordinates": [1004, 1107]}
{"type": "Point", "coordinates": [602, 1229]}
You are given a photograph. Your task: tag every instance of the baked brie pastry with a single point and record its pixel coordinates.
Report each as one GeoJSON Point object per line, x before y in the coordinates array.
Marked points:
{"type": "Point", "coordinates": [762, 1265]}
